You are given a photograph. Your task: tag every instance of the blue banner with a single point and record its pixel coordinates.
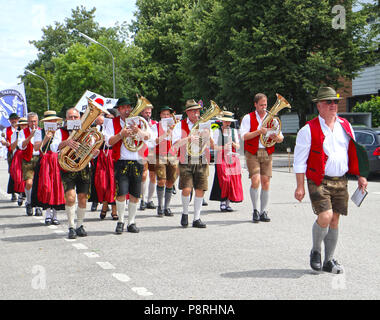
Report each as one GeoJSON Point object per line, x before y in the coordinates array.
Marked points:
{"type": "Point", "coordinates": [12, 101]}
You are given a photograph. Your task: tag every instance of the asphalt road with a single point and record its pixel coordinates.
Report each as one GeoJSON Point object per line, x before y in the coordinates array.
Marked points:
{"type": "Point", "coordinates": [232, 259]}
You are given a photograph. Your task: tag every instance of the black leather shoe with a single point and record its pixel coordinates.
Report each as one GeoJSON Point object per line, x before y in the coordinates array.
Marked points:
{"type": "Point", "coordinates": [204, 203]}
{"type": "Point", "coordinates": [132, 228]}
{"type": "Point", "coordinates": [29, 209]}
{"type": "Point", "coordinates": [20, 200]}
{"type": "Point", "coordinates": [229, 209]}
{"type": "Point", "coordinates": [184, 220]}
{"type": "Point", "coordinates": [48, 221]}
{"type": "Point", "coordinates": [150, 205]}
{"type": "Point", "coordinates": [142, 205]}
{"type": "Point", "coordinates": [256, 216]}
{"type": "Point", "coordinates": [264, 217]}
{"type": "Point", "coordinates": [160, 212]}
{"type": "Point", "coordinates": [223, 207]}
{"type": "Point", "coordinates": [315, 260]}
{"type": "Point", "coordinates": [94, 206]}
{"type": "Point", "coordinates": [119, 228]}
{"type": "Point", "coordinates": [72, 233]}
{"type": "Point", "coordinates": [199, 224]}
{"type": "Point", "coordinates": [38, 212]}
{"type": "Point", "coordinates": [174, 190]}
{"type": "Point", "coordinates": [332, 266]}
{"type": "Point", "coordinates": [55, 222]}
{"type": "Point", "coordinates": [81, 232]}
{"type": "Point", "coordinates": [168, 212]}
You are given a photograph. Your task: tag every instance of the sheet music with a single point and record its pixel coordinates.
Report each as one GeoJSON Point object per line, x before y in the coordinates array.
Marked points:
{"type": "Point", "coordinates": [132, 121]}
{"type": "Point", "coordinates": [358, 196]}
{"type": "Point", "coordinates": [74, 124]}
{"type": "Point", "coordinates": [50, 126]}
{"type": "Point", "coordinates": [166, 122]}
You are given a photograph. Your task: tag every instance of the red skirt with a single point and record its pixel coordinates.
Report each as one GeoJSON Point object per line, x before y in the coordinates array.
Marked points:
{"type": "Point", "coordinates": [228, 185]}
{"type": "Point", "coordinates": [50, 187]}
{"type": "Point", "coordinates": [105, 177]}
{"type": "Point", "coordinates": [15, 171]}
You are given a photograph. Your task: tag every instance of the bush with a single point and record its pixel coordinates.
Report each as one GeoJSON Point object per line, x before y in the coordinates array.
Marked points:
{"type": "Point", "coordinates": [372, 106]}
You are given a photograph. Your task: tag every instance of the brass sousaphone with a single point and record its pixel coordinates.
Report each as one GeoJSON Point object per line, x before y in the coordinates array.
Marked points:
{"type": "Point", "coordinates": [272, 122]}
{"type": "Point", "coordinates": [89, 139]}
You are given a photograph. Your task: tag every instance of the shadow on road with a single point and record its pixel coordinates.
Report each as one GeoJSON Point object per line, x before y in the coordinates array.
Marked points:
{"type": "Point", "coordinates": [269, 273]}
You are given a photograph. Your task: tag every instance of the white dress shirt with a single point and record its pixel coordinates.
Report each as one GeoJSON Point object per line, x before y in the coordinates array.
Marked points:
{"type": "Point", "coordinates": [245, 126]}
{"type": "Point", "coordinates": [335, 146]}
{"type": "Point", "coordinates": [36, 138]}
{"type": "Point", "coordinates": [125, 154]}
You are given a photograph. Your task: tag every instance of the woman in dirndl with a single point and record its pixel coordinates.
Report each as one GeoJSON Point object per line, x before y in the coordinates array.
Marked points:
{"type": "Point", "coordinates": [227, 186]}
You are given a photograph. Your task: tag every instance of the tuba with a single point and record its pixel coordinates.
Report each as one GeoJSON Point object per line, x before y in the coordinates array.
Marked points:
{"type": "Point", "coordinates": [89, 139]}
{"type": "Point", "coordinates": [132, 143]}
{"type": "Point", "coordinates": [272, 122]}
{"type": "Point", "coordinates": [213, 111]}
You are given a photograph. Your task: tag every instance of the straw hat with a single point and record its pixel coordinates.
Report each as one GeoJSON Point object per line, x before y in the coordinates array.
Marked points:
{"type": "Point", "coordinates": [23, 121]}
{"type": "Point", "coordinates": [191, 105]}
{"type": "Point", "coordinates": [50, 115]}
{"type": "Point", "coordinates": [226, 116]}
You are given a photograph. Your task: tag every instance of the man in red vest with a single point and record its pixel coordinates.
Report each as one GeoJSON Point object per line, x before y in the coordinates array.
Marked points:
{"type": "Point", "coordinates": [10, 142]}
{"type": "Point", "coordinates": [75, 184]}
{"type": "Point", "coordinates": [150, 166]}
{"type": "Point", "coordinates": [29, 141]}
{"type": "Point", "coordinates": [166, 161]}
{"type": "Point", "coordinates": [258, 157]}
{"type": "Point", "coordinates": [193, 169]}
{"type": "Point", "coordinates": [128, 164]}
{"type": "Point", "coordinates": [325, 151]}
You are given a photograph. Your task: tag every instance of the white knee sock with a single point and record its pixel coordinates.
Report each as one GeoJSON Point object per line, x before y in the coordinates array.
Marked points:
{"type": "Point", "coordinates": [80, 216]}
{"type": "Point", "coordinates": [264, 199]}
{"type": "Point", "coordinates": [48, 213]}
{"type": "Point", "coordinates": [151, 188]}
{"type": "Point", "coordinates": [28, 194]}
{"type": "Point", "coordinates": [120, 209]}
{"type": "Point", "coordinates": [254, 193]}
{"type": "Point", "coordinates": [143, 190]}
{"type": "Point", "coordinates": [185, 204]}
{"type": "Point", "coordinates": [132, 209]}
{"type": "Point", "coordinates": [70, 211]}
{"type": "Point", "coordinates": [197, 207]}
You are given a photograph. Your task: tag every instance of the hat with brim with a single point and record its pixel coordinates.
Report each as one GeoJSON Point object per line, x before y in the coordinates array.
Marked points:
{"type": "Point", "coordinates": [14, 116]}
{"type": "Point", "coordinates": [123, 102]}
{"type": "Point", "coordinates": [226, 116]}
{"type": "Point", "coordinates": [167, 108]}
{"type": "Point", "coordinates": [23, 121]}
{"type": "Point", "coordinates": [327, 93]}
{"type": "Point", "coordinates": [192, 105]}
{"type": "Point", "coordinates": [50, 115]}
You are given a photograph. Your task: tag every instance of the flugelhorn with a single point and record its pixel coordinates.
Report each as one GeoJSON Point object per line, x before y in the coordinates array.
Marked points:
{"type": "Point", "coordinates": [272, 122]}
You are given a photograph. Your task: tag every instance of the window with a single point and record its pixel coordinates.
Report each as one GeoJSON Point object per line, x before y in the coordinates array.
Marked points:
{"type": "Point", "coordinates": [364, 137]}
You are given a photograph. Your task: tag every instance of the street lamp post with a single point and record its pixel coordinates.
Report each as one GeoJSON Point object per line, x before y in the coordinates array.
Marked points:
{"type": "Point", "coordinates": [113, 59]}
{"type": "Point", "coordinates": [47, 87]}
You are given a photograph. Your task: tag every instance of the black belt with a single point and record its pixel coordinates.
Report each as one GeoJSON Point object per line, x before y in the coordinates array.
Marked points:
{"type": "Point", "coordinates": [334, 178]}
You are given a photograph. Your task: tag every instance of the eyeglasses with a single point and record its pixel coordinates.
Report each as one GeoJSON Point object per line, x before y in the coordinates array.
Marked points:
{"type": "Point", "coordinates": [331, 101]}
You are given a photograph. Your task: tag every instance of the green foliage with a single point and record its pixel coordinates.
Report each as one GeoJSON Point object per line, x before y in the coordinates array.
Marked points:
{"type": "Point", "coordinates": [289, 142]}
{"type": "Point", "coordinates": [372, 106]}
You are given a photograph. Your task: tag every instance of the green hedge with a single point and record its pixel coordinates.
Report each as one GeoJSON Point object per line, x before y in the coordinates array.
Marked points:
{"type": "Point", "coordinates": [289, 142]}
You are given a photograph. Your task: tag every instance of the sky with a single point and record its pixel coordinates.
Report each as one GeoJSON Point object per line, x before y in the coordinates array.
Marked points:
{"type": "Point", "coordinates": [22, 20]}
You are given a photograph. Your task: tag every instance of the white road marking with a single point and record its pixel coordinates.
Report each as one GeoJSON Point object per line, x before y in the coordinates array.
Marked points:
{"type": "Point", "coordinates": [105, 265]}
{"type": "Point", "coordinates": [59, 231]}
{"type": "Point", "coordinates": [80, 246]}
{"type": "Point", "coordinates": [91, 254]}
{"type": "Point", "coordinates": [121, 277]}
{"type": "Point", "coordinates": [141, 291]}
{"type": "Point", "coordinates": [70, 240]}
{"type": "Point", "coordinates": [53, 227]}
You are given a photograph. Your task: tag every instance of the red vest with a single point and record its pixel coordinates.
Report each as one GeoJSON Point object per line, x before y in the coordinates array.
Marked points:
{"type": "Point", "coordinates": [143, 152]}
{"type": "Point", "coordinates": [252, 145]}
{"type": "Point", "coordinates": [316, 162]}
{"type": "Point", "coordinates": [164, 146]}
{"type": "Point", "coordinates": [8, 137]}
{"type": "Point", "coordinates": [185, 131]}
{"type": "Point", "coordinates": [27, 154]}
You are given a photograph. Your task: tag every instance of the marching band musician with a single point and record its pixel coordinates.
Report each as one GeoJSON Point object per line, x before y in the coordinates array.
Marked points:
{"type": "Point", "coordinates": [75, 184]}
{"type": "Point", "coordinates": [9, 132]}
{"type": "Point", "coordinates": [128, 164]}
{"type": "Point", "coordinates": [150, 166]}
{"type": "Point", "coordinates": [194, 171]}
{"type": "Point", "coordinates": [29, 141]}
{"type": "Point", "coordinates": [166, 162]}
{"type": "Point", "coordinates": [47, 190]}
{"type": "Point", "coordinates": [258, 157]}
